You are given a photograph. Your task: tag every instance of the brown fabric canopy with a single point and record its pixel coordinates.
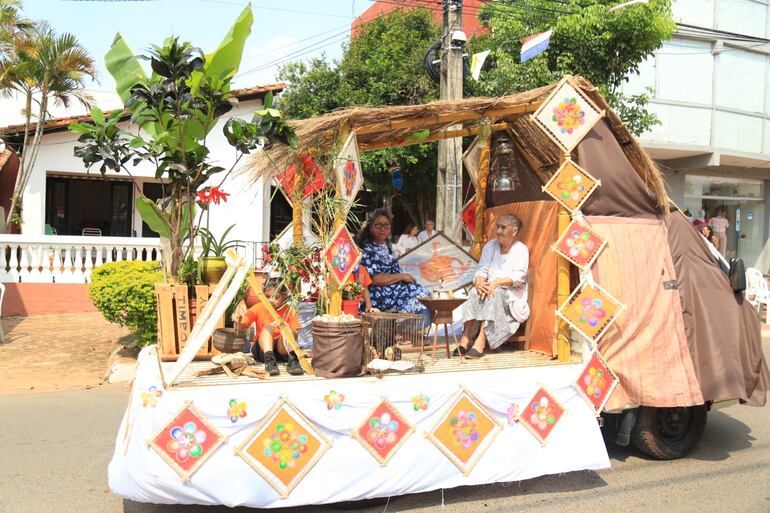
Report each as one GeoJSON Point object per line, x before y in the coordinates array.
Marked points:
{"type": "Point", "coordinates": [722, 347]}
{"type": "Point", "coordinates": [622, 192]}
{"type": "Point", "coordinates": [723, 331]}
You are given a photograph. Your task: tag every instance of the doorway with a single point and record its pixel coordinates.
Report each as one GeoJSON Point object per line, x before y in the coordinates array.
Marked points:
{"type": "Point", "coordinates": [96, 206]}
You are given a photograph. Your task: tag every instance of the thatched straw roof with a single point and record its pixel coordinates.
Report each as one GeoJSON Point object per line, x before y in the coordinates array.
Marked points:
{"type": "Point", "coordinates": [378, 127]}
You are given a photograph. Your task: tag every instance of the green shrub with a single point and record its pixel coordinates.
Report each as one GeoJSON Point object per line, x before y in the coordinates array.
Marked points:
{"type": "Point", "coordinates": [124, 292]}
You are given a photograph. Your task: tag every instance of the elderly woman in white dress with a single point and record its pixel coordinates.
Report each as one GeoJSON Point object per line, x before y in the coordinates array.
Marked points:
{"type": "Point", "coordinates": [499, 298]}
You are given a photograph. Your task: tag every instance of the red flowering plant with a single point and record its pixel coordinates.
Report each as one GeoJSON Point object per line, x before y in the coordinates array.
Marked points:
{"type": "Point", "coordinates": [210, 244]}
{"type": "Point", "coordinates": [300, 268]}
{"type": "Point", "coordinates": [210, 194]}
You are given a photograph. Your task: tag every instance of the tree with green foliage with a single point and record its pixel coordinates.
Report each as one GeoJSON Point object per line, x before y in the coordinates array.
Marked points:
{"type": "Point", "coordinates": [604, 47]}
{"type": "Point", "coordinates": [41, 67]}
{"type": "Point", "coordinates": [176, 107]}
{"type": "Point", "coordinates": [12, 26]}
{"type": "Point", "coordinates": [382, 65]}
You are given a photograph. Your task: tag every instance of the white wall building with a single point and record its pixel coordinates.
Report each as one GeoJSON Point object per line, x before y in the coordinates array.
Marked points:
{"type": "Point", "coordinates": [711, 91]}
{"type": "Point", "coordinates": [59, 180]}
{"type": "Point", "coordinates": [64, 198]}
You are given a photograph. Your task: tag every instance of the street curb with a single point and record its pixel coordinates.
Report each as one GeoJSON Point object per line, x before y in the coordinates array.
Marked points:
{"type": "Point", "coordinates": [121, 365]}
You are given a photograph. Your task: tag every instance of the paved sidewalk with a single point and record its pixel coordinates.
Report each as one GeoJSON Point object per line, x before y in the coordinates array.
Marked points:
{"type": "Point", "coordinates": [57, 351]}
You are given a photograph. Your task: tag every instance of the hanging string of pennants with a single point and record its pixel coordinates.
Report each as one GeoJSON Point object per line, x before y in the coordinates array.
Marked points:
{"type": "Point", "coordinates": [534, 45]}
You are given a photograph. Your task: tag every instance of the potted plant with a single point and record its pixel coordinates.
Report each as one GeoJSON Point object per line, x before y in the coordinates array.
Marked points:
{"type": "Point", "coordinates": [351, 298]}
{"type": "Point", "coordinates": [177, 106]}
{"type": "Point", "coordinates": [301, 269]}
{"type": "Point", "coordinates": [212, 260]}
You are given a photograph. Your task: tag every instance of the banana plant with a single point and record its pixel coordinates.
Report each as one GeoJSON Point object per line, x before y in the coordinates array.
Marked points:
{"type": "Point", "coordinates": [174, 109]}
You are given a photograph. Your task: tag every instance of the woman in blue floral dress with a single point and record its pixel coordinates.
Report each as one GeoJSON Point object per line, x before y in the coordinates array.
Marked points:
{"type": "Point", "coordinates": [392, 290]}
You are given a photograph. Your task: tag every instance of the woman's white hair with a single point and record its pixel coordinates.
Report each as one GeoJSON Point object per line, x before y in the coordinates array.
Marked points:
{"type": "Point", "coordinates": [510, 218]}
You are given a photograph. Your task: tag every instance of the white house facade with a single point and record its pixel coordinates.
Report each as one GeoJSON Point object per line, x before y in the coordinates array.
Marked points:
{"type": "Point", "coordinates": [710, 88]}
{"type": "Point", "coordinates": [82, 219]}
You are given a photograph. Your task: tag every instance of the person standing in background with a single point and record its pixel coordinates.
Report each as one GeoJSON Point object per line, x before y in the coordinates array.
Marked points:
{"type": "Point", "coordinates": [428, 232]}
{"type": "Point", "coordinates": [720, 224]}
{"type": "Point", "coordinates": [407, 240]}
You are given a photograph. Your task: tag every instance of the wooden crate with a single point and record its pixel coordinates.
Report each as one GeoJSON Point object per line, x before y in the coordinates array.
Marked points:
{"type": "Point", "coordinates": [174, 320]}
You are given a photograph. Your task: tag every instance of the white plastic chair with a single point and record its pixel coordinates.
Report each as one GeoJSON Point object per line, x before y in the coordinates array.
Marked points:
{"type": "Point", "coordinates": [2, 296]}
{"type": "Point", "coordinates": [91, 232]}
{"type": "Point", "coordinates": [757, 292]}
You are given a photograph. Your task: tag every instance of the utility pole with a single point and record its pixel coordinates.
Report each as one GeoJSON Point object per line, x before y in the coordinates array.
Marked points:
{"type": "Point", "coordinates": [450, 172]}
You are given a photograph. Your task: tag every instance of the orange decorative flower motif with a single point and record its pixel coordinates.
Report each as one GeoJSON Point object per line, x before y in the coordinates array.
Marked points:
{"type": "Point", "coordinates": [350, 176]}
{"type": "Point", "coordinates": [420, 402]}
{"type": "Point", "coordinates": [334, 400]}
{"type": "Point", "coordinates": [542, 414]}
{"type": "Point", "coordinates": [150, 397]}
{"type": "Point", "coordinates": [285, 446]}
{"type": "Point", "coordinates": [572, 188]}
{"type": "Point", "coordinates": [186, 441]}
{"type": "Point", "coordinates": [580, 244]}
{"type": "Point", "coordinates": [236, 410]}
{"type": "Point", "coordinates": [595, 382]}
{"type": "Point", "coordinates": [592, 311]}
{"type": "Point", "coordinates": [465, 430]}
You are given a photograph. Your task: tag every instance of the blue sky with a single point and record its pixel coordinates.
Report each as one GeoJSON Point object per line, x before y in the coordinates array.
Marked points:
{"type": "Point", "coordinates": [304, 28]}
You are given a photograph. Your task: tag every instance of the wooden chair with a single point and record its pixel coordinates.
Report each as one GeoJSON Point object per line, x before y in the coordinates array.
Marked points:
{"type": "Point", "coordinates": [526, 325]}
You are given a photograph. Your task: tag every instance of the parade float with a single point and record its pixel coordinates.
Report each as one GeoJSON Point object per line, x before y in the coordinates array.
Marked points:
{"type": "Point", "coordinates": [624, 301]}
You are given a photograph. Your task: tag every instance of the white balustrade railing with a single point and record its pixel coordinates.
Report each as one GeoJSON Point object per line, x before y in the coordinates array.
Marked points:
{"type": "Point", "coordinates": [72, 258]}
{"type": "Point", "coordinates": [67, 258]}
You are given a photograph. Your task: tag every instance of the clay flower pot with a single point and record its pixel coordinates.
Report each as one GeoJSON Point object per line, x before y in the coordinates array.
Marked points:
{"type": "Point", "coordinates": [351, 306]}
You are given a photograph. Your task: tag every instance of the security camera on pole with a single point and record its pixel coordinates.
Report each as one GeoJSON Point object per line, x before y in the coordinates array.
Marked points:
{"type": "Point", "coordinates": [450, 151]}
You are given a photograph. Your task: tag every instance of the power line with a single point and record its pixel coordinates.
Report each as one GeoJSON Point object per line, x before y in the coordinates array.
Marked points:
{"type": "Point", "coordinates": [310, 48]}
{"type": "Point", "coordinates": [294, 43]}
{"type": "Point", "coordinates": [298, 53]}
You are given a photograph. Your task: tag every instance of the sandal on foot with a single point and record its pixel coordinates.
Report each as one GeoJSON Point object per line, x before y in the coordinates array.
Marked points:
{"type": "Point", "coordinates": [459, 351]}
{"type": "Point", "coordinates": [472, 353]}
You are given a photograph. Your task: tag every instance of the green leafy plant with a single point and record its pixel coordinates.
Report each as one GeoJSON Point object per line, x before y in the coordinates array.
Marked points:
{"type": "Point", "coordinates": [297, 266]}
{"type": "Point", "coordinates": [382, 65]}
{"type": "Point", "coordinates": [352, 291]}
{"type": "Point", "coordinates": [176, 108]}
{"type": "Point", "coordinates": [189, 271]}
{"type": "Point", "coordinates": [213, 246]}
{"type": "Point", "coordinates": [606, 48]}
{"type": "Point", "coordinates": [42, 68]}
{"type": "Point", "coordinates": [124, 292]}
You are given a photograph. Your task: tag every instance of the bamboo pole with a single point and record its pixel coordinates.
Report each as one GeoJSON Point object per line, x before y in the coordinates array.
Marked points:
{"type": "Point", "coordinates": [335, 289]}
{"type": "Point", "coordinates": [296, 205]}
{"type": "Point", "coordinates": [443, 134]}
{"type": "Point", "coordinates": [562, 288]}
{"type": "Point", "coordinates": [485, 141]}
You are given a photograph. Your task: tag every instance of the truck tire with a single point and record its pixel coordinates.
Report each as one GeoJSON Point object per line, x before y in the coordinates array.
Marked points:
{"type": "Point", "coordinates": [668, 433]}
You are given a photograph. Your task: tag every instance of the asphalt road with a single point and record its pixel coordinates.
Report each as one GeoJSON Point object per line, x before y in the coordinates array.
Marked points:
{"type": "Point", "coordinates": [55, 447]}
